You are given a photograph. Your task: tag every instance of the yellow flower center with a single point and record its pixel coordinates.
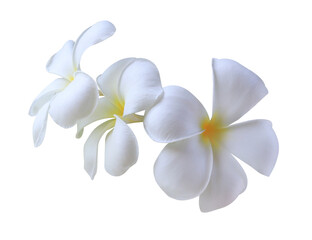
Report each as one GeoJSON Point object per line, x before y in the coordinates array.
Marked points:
{"type": "Point", "coordinates": [71, 78]}
{"type": "Point", "coordinates": [213, 131]}
{"type": "Point", "coordinates": [120, 106]}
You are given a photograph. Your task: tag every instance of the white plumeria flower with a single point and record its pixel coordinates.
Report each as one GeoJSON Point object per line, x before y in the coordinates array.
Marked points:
{"type": "Point", "coordinates": [74, 95]}
{"type": "Point", "coordinates": [198, 160]}
{"type": "Point", "coordinates": [129, 86]}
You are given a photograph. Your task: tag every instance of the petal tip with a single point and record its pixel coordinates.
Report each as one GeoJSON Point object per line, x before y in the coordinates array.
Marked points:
{"type": "Point", "coordinates": [107, 25]}
{"type": "Point", "coordinates": [90, 173]}
{"type": "Point", "coordinates": [37, 140]}
{"type": "Point", "coordinates": [31, 112]}
{"type": "Point", "coordinates": [61, 62]}
{"type": "Point", "coordinates": [79, 133]}
{"type": "Point", "coordinates": [121, 149]}
{"type": "Point", "coordinates": [236, 89]}
{"type": "Point", "coordinates": [36, 144]}
{"type": "Point", "coordinates": [91, 36]}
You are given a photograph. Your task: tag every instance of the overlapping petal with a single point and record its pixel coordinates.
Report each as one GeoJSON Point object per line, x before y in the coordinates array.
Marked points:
{"type": "Point", "coordinates": [121, 149]}
{"type": "Point", "coordinates": [91, 36]}
{"type": "Point", "coordinates": [177, 115]}
{"type": "Point", "coordinates": [40, 124]}
{"type": "Point", "coordinates": [140, 86]}
{"type": "Point", "coordinates": [133, 84]}
{"type": "Point", "coordinates": [227, 181]}
{"type": "Point", "coordinates": [75, 102]}
{"type": "Point", "coordinates": [109, 81]}
{"type": "Point", "coordinates": [183, 168]}
{"type": "Point", "coordinates": [103, 109]}
{"type": "Point", "coordinates": [90, 150]}
{"type": "Point", "coordinates": [61, 63]}
{"type": "Point", "coordinates": [236, 90]}
{"type": "Point", "coordinates": [255, 143]}
{"type": "Point", "coordinates": [47, 94]}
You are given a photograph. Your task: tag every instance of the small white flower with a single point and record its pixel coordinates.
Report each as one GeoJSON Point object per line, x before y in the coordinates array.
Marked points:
{"type": "Point", "coordinates": [198, 160]}
{"type": "Point", "coordinates": [129, 86]}
{"type": "Point", "coordinates": [75, 94]}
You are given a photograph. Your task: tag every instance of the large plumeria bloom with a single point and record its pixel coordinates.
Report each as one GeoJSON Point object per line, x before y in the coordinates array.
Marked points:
{"type": "Point", "coordinates": [198, 160]}
{"type": "Point", "coordinates": [74, 95]}
{"type": "Point", "coordinates": [129, 86]}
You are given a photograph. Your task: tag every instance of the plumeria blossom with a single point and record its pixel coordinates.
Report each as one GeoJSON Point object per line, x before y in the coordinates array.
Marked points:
{"type": "Point", "coordinates": [74, 95]}
{"type": "Point", "coordinates": [198, 159]}
{"type": "Point", "coordinates": [129, 86]}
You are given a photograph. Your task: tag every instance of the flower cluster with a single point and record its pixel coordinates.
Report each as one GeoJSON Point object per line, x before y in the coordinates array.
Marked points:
{"type": "Point", "coordinates": [198, 160]}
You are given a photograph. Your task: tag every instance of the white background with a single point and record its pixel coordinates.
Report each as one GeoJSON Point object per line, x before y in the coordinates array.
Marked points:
{"type": "Point", "coordinates": [46, 194]}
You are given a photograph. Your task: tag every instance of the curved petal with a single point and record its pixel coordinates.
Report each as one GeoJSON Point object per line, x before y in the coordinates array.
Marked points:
{"type": "Point", "coordinates": [255, 143]}
{"type": "Point", "coordinates": [227, 181]}
{"type": "Point", "coordinates": [104, 109]}
{"type": "Point", "coordinates": [40, 125]}
{"type": "Point", "coordinates": [121, 149]}
{"type": "Point", "coordinates": [91, 36]}
{"type": "Point", "coordinates": [178, 115]}
{"type": "Point", "coordinates": [109, 81]}
{"type": "Point", "coordinates": [47, 94]}
{"type": "Point", "coordinates": [183, 168]}
{"type": "Point", "coordinates": [61, 63]}
{"type": "Point", "coordinates": [75, 102]}
{"type": "Point", "coordinates": [140, 86]}
{"type": "Point", "coordinates": [236, 90]}
{"type": "Point", "coordinates": [90, 150]}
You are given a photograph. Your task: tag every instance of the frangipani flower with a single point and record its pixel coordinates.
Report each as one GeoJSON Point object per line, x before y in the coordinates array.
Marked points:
{"type": "Point", "coordinates": [129, 86]}
{"type": "Point", "coordinates": [74, 95]}
{"type": "Point", "coordinates": [198, 160]}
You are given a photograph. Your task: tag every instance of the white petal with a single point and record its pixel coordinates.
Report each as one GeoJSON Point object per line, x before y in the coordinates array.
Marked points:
{"type": "Point", "coordinates": [121, 149]}
{"type": "Point", "coordinates": [40, 124]}
{"type": "Point", "coordinates": [140, 86]}
{"type": "Point", "coordinates": [103, 109]}
{"type": "Point", "coordinates": [47, 94]}
{"type": "Point", "coordinates": [177, 115]}
{"type": "Point", "coordinates": [236, 90]}
{"type": "Point", "coordinates": [90, 150]}
{"type": "Point", "coordinates": [91, 36]}
{"type": "Point", "coordinates": [61, 63]}
{"type": "Point", "coordinates": [109, 80]}
{"type": "Point", "coordinates": [255, 143]}
{"type": "Point", "coordinates": [183, 168]}
{"type": "Point", "coordinates": [227, 181]}
{"type": "Point", "coordinates": [75, 102]}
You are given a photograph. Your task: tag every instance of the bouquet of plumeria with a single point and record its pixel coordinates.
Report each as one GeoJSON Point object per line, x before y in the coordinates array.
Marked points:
{"type": "Point", "coordinates": [198, 160]}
